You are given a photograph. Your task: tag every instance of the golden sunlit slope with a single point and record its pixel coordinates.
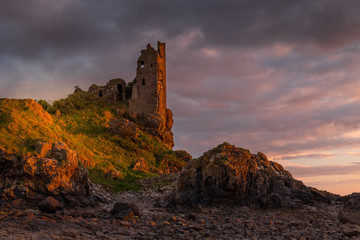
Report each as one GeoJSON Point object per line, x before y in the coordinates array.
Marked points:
{"type": "Point", "coordinates": [83, 126]}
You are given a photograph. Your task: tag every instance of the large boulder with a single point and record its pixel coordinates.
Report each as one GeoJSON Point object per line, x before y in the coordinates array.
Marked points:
{"type": "Point", "coordinates": [50, 205]}
{"type": "Point", "coordinates": [230, 174]}
{"type": "Point", "coordinates": [125, 211]}
{"type": "Point", "coordinates": [54, 171]}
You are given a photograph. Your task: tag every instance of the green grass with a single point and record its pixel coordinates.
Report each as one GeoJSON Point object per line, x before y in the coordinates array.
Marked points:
{"type": "Point", "coordinates": [83, 126]}
{"type": "Point", "coordinates": [130, 182]}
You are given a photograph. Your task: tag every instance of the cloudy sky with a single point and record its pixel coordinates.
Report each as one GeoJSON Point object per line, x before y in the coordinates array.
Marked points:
{"type": "Point", "coordinates": [281, 77]}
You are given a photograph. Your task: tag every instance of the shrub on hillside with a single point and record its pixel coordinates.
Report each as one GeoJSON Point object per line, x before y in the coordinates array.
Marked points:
{"type": "Point", "coordinates": [45, 105]}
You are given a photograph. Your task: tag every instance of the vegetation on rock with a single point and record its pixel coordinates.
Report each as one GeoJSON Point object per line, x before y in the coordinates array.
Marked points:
{"type": "Point", "coordinates": [83, 125]}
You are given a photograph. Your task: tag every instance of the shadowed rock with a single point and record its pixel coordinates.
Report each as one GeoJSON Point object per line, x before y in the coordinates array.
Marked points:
{"type": "Point", "coordinates": [50, 205]}
{"type": "Point", "coordinates": [234, 175]}
{"type": "Point", "coordinates": [351, 211]}
{"type": "Point", "coordinates": [125, 211]}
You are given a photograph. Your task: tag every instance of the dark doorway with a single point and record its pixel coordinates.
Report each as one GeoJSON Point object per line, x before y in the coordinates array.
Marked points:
{"type": "Point", "coordinates": [143, 81]}
{"type": "Point", "coordinates": [120, 92]}
{"type": "Point", "coordinates": [100, 93]}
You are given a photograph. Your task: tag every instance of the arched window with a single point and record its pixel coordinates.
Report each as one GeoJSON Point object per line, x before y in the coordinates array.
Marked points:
{"type": "Point", "coordinates": [143, 81]}
{"type": "Point", "coordinates": [142, 64]}
{"type": "Point", "coordinates": [100, 93]}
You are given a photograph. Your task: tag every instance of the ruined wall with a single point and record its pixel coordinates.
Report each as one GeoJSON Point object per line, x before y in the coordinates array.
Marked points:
{"type": "Point", "coordinates": [114, 90]}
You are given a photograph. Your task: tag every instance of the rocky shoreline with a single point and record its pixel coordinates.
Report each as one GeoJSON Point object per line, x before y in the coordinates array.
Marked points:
{"type": "Point", "coordinates": [159, 221]}
{"type": "Point", "coordinates": [228, 193]}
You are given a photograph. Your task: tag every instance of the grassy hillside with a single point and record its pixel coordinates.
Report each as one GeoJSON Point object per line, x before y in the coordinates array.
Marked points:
{"type": "Point", "coordinates": [83, 126]}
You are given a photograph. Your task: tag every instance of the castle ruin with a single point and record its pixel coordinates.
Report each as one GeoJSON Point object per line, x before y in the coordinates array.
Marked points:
{"type": "Point", "coordinates": [149, 89]}
{"type": "Point", "coordinates": [113, 91]}
{"type": "Point", "coordinates": [148, 94]}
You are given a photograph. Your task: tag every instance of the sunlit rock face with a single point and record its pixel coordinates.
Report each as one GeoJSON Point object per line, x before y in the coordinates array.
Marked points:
{"type": "Point", "coordinates": [234, 175]}
{"type": "Point", "coordinates": [54, 171]}
{"type": "Point", "coordinates": [160, 127]}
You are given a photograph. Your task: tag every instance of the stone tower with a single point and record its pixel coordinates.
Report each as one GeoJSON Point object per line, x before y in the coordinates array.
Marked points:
{"type": "Point", "coordinates": [149, 93]}
{"type": "Point", "coordinates": [149, 89]}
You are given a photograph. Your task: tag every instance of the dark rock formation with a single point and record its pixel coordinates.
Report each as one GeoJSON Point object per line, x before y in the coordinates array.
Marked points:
{"type": "Point", "coordinates": [50, 205]}
{"type": "Point", "coordinates": [234, 175]}
{"type": "Point", "coordinates": [125, 211]}
{"type": "Point", "coordinates": [351, 211]}
{"type": "Point", "coordinates": [10, 174]}
{"type": "Point", "coordinates": [54, 172]}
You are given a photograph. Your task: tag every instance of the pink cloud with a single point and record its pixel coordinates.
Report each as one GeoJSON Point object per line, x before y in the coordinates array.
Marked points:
{"type": "Point", "coordinates": [308, 171]}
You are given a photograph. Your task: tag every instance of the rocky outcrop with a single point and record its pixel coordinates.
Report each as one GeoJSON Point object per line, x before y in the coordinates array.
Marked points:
{"type": "Point", "coordinates": [234, 175]}
{"type": "Point", "coordinates": [55, 171]}
{"type": "Point", "coordinates": [351, 211]}
{"type": "Point", "coordinates": [152, 124]}
{"type": "Point", "coordinates": [123, 128]}
{"type": "Point", "coordinates": [157, 127]}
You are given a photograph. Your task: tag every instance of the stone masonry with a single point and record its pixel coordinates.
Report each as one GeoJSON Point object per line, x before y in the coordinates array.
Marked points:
{"type": "Point", "coordinates": [149, 93]}
{"type": "Point", "coordinates": [114, 90]}
{"type": "Point", "coordinates": [149, 89]}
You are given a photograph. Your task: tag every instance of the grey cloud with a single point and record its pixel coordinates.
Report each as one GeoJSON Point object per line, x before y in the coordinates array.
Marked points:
{"type": "Point", "coordinates": [90, 25]}
{"type": "Point", "coordinates": [243, 94]}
